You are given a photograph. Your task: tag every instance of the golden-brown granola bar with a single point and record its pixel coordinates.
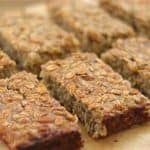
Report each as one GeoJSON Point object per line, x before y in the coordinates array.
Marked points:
{"type": "Point", "coordinates": [135, 12]}
{"type": "Point", "coordinates": [102, 100]}
{"type": "Point", "coordinates": [7, 66]}
{"type": "Point", "coordinates": [31, 119]}
{"type": "Point", "coordinates": [32, 39]}
{"type": "Point", "coordinates": [131, 58]}
{"type": "Point", "coordinates": [95, 28]}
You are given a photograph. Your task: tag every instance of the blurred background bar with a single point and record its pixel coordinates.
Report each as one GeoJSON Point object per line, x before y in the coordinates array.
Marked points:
{"type": "Point", "coordinates": [16, 4]}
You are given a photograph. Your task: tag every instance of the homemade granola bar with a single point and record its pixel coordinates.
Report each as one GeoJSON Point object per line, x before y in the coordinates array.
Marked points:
{"type": "Point", "coordinates": [135, 12]}
{"type": "Point", "coordinates": [131, 58]}
{"type": "Point", "coordinates": [31, 119]}
{"type": "Point", "coordinates": [7, 66]}
{"type": "Point", "coordinates": [102, 100]}
{"type": "Point", "coordinates": [95, 28]}
{"type": "Point", "coordinates": [32, 39]}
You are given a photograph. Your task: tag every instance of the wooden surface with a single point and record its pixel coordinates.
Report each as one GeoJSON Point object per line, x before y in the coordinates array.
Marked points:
{"type": "Point", "coordinates": [136, 138]}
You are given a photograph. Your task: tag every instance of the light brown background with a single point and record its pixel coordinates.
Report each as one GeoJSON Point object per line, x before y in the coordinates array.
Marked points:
{"type": "Point", "coordinates": [136, 138]}
{"type": "Point", "coordinates": [17, 4]}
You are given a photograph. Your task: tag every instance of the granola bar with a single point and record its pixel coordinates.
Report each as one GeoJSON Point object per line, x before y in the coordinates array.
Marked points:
{"type": "Point", "coordinates": [95, 28]}
{"type": "Point", "coordinates": [7, 66]}
{"type": "Point", "coordinates": [32, 39]}
{"type": "Point", "coordinates": [131, 58]}
{"type": "Point", "coordinates": [31, 119]}
{"type": "Point", "coordinates": [102, 100]}
{"type": "Point", "coordinates": [135, 12]}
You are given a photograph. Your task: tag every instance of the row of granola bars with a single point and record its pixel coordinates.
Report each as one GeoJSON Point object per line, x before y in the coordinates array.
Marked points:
{"type": "Point", "coordinates": [60, 54]}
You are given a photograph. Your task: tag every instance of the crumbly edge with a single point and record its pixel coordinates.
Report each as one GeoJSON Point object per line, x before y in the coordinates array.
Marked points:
{"type": "Point", "coordinates": [58, 141]}
{"type": "Point", "coordinates": [9, 49]}
{"type": "Point", "coordinates": [103, 127]}
{"type": "Point", "coordinates": [7, 71]}
{"type": "Point", "coordinates": [121, 67]}
{"type": "Point", "coordinates": [86, 43]}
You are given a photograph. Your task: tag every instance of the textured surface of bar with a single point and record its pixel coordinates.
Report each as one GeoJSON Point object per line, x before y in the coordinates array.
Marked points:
{"type": "Point", "coordinates": [32, 39]}
{"type": "Point", "coordinates": [131, 58]}
{"type": "Point", "coordinates": [102, 100]}
{"type": "Point", "coordinates": [7, 66]}
{"type": "Point", "coordinates": [135, 12]}
{"type": "Point", "coordinates": [31, 119]}
{"type": "Point", "coordinates": [95, 28]}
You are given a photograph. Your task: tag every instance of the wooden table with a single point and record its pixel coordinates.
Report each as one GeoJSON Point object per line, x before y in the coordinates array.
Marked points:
{"type": "Point", "coordinates": [136, 138]}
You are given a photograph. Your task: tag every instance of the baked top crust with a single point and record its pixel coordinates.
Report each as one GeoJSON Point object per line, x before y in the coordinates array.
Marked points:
{"type": "Point", "coordinates": [138, 47]}
{"type": "Point", "coordinates": [34, 33]}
